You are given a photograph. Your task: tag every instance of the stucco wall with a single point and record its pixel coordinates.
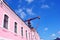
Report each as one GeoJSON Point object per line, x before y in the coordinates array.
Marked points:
{"type": "Point", "coordinates": [9, 33]}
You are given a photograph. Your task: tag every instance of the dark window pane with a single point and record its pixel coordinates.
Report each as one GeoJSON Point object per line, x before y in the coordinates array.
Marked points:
{"type": "Point", "coordinates": [26, 33]}
{"type": "Point", "coordinates": [6, 21]}
{"type": "Point", "coordinates": [15, 27]}
{"type": "Point", "coordinates": [22, 31]}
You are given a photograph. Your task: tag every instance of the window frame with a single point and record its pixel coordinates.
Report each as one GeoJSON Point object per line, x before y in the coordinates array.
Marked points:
{"type": "Point", "coordinates": [22, 31]}
{"type": "Point", "coordinates": [26, 34]}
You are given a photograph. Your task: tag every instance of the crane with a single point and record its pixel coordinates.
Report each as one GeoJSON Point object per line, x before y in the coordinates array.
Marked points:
{"type": "Point", "coordinates": [29, 24]}
{"type": "Point", "coordinates": [28, 21]}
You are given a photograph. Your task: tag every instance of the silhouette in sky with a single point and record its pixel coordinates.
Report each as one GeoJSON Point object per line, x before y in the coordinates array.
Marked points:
{"type": "Point", "coordinates": [57, 38]}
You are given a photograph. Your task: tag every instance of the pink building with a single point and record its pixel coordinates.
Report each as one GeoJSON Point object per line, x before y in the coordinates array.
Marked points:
{"type": "Point", "coordinates": [12, 27]}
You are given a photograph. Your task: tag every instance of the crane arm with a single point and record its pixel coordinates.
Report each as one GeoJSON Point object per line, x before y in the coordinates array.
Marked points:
{"type": "Point", "coordinates": [29, 24]}
{"type": "Point", "coordinates": [32, 19]}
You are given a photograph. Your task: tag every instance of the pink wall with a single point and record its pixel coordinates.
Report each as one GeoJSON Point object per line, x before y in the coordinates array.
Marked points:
{"type": "Point", "coordinates": [9, 33]}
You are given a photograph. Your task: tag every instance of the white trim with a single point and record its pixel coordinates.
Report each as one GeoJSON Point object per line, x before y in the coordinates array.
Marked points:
{"type": "Point", "coordinates": [3, 38]}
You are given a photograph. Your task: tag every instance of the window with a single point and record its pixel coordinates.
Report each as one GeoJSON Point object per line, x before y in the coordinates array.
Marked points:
{"type": "Point", "coordinates": [15, 30]}
{"type": "Point", "coordinates": [5, 21]}
{"type": "Point", "coordinates": [22, 31]}
{"type": "Point", "coordinates": [26, 33]}
{"type": "Point", "coordinates": [29, 35]}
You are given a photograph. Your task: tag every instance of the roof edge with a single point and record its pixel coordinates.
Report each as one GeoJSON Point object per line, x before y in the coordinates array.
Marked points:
{"type": "Point", "coordinates": [15, 13]}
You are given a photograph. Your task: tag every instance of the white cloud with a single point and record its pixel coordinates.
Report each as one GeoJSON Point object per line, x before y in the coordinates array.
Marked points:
{"type": "Point", "coordinates": [52, 35]}
{"type": "Point", "coordinates": [58, 32]}
{"type": "Point", "coordinates": [29, 1]}
{"type": "Point", "coordinates": [29, 11]}
{"type": "Point", "coordinates": [23, 15]}
{"type": "Point", "coordinates": [45, 6]}
{"type": "Point", "coordinates": [46, 29]}
{"type": "Point", "coordinates": [21, 12]}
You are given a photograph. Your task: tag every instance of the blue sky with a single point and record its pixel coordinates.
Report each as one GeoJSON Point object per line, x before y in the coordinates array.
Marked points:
{"type": "Point", "coordinates": [48, 10]}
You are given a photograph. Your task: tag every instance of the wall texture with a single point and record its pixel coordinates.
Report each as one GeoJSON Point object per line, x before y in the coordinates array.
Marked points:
{"type": "Point", "coordinates": [9, 34]}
